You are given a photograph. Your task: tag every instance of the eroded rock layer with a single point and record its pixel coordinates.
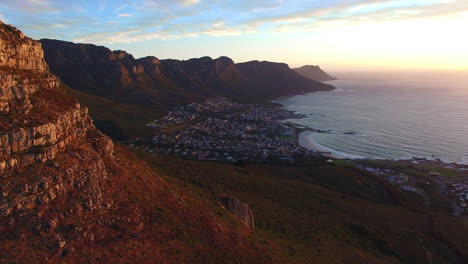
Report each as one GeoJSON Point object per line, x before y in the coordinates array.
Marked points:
{"type": "Point", "coordinates": [53, 161]}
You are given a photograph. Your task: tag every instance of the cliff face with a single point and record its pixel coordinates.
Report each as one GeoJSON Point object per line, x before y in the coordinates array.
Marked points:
{"type": "Point", "coordinates": [148, 80]}
{"type": "Point", "coordinates": [314, 73]}
{"type": "Point", "coordinates": [50, 152]}
{"type": "Point", "coordinates": [116, 75]}
{"type": "Point", "coordinates": [38, 120]}
{"type": "Point", "coordinates": [20, 52]}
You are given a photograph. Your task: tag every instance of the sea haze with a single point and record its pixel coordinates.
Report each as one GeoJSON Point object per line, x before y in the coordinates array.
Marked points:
{"type": "Point", "coordinates": [390, 116]}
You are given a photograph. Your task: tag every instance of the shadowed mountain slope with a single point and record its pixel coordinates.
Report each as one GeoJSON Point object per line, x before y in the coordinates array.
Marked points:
{"type": "Point", "coordinates": [149, 85]}
{"type": "Point", "coordinates": [150, 81]}
{"type": "Point", "coordinates": [314, 73]}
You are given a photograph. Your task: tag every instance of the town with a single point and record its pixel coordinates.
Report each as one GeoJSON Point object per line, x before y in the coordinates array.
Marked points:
{"type": "Point", "coordinates": [455, 189]}
{"type": "Point", "coordinates": [219, 129]}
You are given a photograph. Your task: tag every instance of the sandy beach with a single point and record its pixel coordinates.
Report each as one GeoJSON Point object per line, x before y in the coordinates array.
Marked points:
{"type": "Point", "coordinates": [305, 142]}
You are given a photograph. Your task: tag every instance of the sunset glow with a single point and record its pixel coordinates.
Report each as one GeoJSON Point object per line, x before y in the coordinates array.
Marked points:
{"type": "Point", "coordinates": [366, 34]}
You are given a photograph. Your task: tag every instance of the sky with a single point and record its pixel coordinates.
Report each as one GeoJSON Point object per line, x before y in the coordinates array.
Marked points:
{"type": "Point", "coordinates": [335, 34]}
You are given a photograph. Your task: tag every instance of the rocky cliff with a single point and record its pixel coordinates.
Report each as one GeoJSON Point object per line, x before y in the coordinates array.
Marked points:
{"type": "Point", "coordinates": [50, 151]}
{"type": "Point", "coordinates": [314, 73]}
{"type": "Point", "coordinates": [149, 80]}
{"type": "Point", "coordinates": [118, 76]}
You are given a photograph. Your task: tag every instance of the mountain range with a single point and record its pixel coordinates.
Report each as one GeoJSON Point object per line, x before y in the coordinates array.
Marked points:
{"type": "Point", "coordinates": [149, 85]}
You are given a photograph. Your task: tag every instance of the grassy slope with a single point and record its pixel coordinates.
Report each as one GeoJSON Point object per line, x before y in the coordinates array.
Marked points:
{"type": "Point", "coordinates": [118, 120]}
{"type": "Point", "coordinates": [123, 121]}
{"type": "Point", "coordinates": [321, 213]}
{"type": "Point", "coordinates": [182, 224]}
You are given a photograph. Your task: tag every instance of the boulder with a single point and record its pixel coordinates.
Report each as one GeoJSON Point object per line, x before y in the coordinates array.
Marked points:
{"type": "Point", "coordinates": [240, 209]}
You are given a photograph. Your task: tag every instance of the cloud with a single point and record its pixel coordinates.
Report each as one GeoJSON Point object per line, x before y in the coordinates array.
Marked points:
{"type": "Point", "coordinates": [193, 22]}
{"type": "Point", "coordinates": [37, 6]}
{"type": "Point", "coordinates": [188, 2]}
{"type": "Point", "coordinates": [38, 2]}
{"type": "Point", "coordinates": [164, 4]}
{"type": "Point", "coordinates": [121, 8]}
{"type": "Point", "coordinates": [171, 19]}
{"type": "Point", "coordinates": [217, 29]}
{"type": "Point", "coordinates": [59, 25]}
{"type": "Point", "coordinates": [3, 19]}
{"type": "Point", "coordinates": [312, 12]}
{"type": "Point", "coordinates": [370, 11]}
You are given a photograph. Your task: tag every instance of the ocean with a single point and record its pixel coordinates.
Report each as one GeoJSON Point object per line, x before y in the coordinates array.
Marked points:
{"type": "Point", "coordinates": [388, 118]}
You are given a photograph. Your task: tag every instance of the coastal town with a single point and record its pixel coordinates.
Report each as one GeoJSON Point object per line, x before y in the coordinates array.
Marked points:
{"type": "Point", "coordinates": [453, 187]}
{"type": "Point", "coordinates": [219, 129]}
{"type": "Point", "coordinates": [458, 192]}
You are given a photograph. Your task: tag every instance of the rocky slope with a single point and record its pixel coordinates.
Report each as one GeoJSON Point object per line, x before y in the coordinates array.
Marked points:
{"type": "Point", "coordinates": [65, 196]}
{"type": "Point", "coordinates": [314, 73]}
{"type": "Point", "coordinates": [50, 150]}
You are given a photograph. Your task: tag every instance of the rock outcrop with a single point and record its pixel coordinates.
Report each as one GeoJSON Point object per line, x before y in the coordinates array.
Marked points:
{"type": "Point", "coordinates": [20, 52]}
{"type": "Point", "coordinates": [38, 120]}
{"type": "Point", "coordinates": [314, 73]}
{"type": "Point", "coordinates": [51, 155]}
{"type": "Point", "coordinates": [240, 209]}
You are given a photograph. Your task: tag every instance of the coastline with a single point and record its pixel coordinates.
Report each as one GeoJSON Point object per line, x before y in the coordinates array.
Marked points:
{"type": "Point", "coordinates": [305, 142]}
{"type": "Point", "coordinates": [282, 97]}
{"type": "Point", "coordinates": [313, 142]}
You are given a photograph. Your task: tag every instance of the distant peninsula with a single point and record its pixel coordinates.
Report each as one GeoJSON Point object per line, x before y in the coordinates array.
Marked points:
{"type": "Point", "coordinates": [315, 73]}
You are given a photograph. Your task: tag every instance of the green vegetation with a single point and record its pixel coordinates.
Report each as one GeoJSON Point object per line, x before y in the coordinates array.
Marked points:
{"type": "Point", "coordinates": [345, 163]}
{"type": "Point", "coordinates": [321, 213]}
{"type": "Point", "coordinates": [118, 120]}
{"type": "Point", "coordinates": [445, 171]}
{"type": "Point", "coordinates": [421, 169]}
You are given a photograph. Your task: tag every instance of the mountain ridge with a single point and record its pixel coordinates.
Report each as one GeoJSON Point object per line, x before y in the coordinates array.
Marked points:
{"type": "Point", "coordinates": [149, 85]}
{"type": "Point", "coordinates": [197, 76]}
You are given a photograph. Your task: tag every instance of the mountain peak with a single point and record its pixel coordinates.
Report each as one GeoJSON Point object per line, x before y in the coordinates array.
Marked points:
{"type": "Point", "coordinates": [20, 52]}
{"type": "Point", "coordinates": [314, 72]}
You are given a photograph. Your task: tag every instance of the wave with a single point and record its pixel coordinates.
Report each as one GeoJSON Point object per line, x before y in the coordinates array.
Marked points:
{"type": "Point", "coordinates": [338, 90]}
{"type": "Point", "coordinates": [333, 153]}
{"type": "Point", "coordinates": [363, 118]}
{"type": "Point", "coordinates": [338, 132]}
